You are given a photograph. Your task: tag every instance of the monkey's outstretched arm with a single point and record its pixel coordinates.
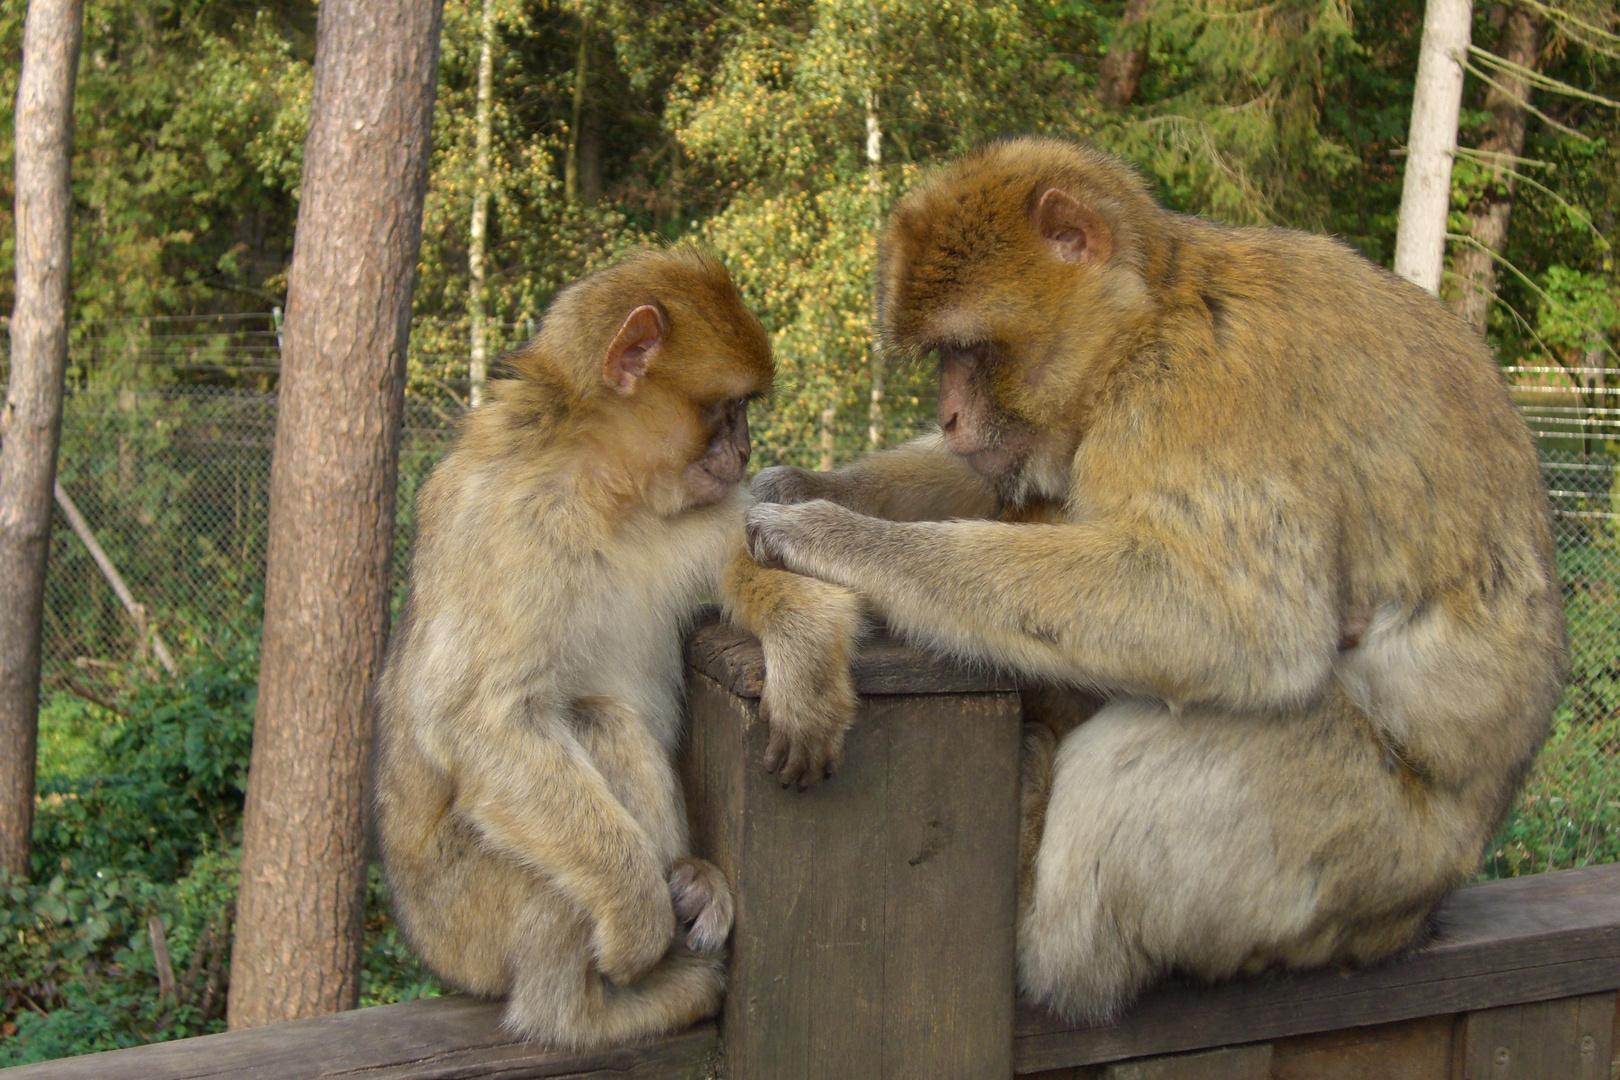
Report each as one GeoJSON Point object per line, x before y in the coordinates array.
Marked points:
{"type": "Point", "coordinates": [1094, 604]}
{"type": "Point", "coordinates": [920, 481]}
{"type": "Point", "coordinates": [807, 628]}
{"type": "Point", "coordinates": [542, 802]}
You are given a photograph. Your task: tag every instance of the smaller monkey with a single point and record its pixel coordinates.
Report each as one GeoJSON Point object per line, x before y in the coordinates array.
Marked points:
{"type": "Point", "coordinates": [530, 818]}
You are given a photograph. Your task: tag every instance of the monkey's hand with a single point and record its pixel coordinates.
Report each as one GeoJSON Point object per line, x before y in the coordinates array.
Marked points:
{"type": "Point", "coordinates": [807, 538]}
{"type": "Point", "coordinates": [702, 902]}
{"type": "Point", "coordinates": [807, 629]}
{"type": "Point", "coordinates": [809, 703]}
{"type": "Point", "coordinates": [634, 932]}
{"type": "Point", "coordinates": [788, 484]}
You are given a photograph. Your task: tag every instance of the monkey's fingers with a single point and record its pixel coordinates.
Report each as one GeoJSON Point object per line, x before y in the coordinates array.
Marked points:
{"type": "Point", "coordinates": [785, 484]}
{"type": "Point", "coordinates": [802, 761]}
{"type": "Point", "coordinates": [758, 538]}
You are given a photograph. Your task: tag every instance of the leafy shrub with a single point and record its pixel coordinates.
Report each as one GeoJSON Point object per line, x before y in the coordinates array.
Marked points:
{"type": "Point", "coordinates": [139, 817]}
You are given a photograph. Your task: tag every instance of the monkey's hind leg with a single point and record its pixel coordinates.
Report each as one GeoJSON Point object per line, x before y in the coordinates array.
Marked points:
{"type": "Point", "coordinates": [565, 1002]}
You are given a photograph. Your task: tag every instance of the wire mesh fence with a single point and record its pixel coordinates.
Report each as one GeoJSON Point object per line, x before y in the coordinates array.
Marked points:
{"type": "Point", "coordinates": [166, 449]}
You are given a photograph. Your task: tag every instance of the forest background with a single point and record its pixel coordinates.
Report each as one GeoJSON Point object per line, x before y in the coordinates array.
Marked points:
{"type": "Point", "coordinates": [777, 133]}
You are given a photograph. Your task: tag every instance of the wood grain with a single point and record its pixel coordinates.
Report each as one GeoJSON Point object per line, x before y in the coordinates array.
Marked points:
{"type": "Point", "coordinates": [1408, 1050]}
{"type": "Point", "coordinates": [1228, 1063]}
{"type": "Point", "coordinates": [1506, 942]}
{"type": "Point", "coordinates": [874, 933]}
{"type": "Point", "coordinates": [1567, 1039]}
{"type": "Point", "coordinates": [448, 1038]}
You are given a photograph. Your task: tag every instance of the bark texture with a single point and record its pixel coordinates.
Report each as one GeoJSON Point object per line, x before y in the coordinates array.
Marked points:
{"type": "Point", "coordinates": [1127, 58]}
{"type": "Point", "coordinates": [297, 950]}
{"type": "Point", "coordinates": [1488, 217]}
{"type": "Point", "coordinates": [31, 423]}
{"type": "Point", "coordinates": [1420, 237]}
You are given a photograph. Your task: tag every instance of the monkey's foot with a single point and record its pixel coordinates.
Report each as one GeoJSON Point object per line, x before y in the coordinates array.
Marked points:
{"type": "Point", "coordinates": [703, 900]}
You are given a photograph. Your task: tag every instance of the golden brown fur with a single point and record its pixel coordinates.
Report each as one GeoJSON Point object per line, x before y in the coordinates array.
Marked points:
{"type": "Point", "coordinates": [1304, 546]}
{"type": "Point", "coordinates": [529, 815]}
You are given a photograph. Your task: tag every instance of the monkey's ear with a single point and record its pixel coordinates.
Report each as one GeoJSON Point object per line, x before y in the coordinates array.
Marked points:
{"type": "Point", "coordinates": [633, 349]}
{"type": "Point", "coordinates": [1074, 231]}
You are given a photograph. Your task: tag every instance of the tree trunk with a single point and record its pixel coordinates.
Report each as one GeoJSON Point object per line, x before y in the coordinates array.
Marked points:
{"type": "Point", "coordinates": [874, 165]}
{"type": "Point", "coordinates": [581, 75]}
{"type": "Point", "coordinates": [31, 423]}
{"type": "Point", "coordinates": [1127, 58]}
{"type": "Point", "coordinates": [590, 156]}
{"type": "Point", "coordinates": [828, 418]}
{"type": "Point", "coordinates": [1420, 236]}
{"type": "Point", "coordinates": [328, 573]}
{"type": "Point", "coordinates": [1488, 218]}
{"type": "Point", "coordinates": [478, 368]}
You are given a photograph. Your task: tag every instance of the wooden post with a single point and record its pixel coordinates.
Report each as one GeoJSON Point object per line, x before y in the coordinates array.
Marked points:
{"type": "Point", "coordinates": [875, 913]}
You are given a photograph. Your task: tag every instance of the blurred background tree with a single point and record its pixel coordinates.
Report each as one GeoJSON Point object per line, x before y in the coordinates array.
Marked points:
{"type": "Point", "coordinates": [745, 125]}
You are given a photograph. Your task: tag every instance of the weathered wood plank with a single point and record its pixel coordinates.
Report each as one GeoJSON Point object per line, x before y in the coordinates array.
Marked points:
{"type": "Point", "coordinates": [1505, 942]}
{"type": "Point", "coordinates": [1566, 1039]}
{"type": "Point", "coordinates": [883, 665]}
{"type": "Point", "coordinates": [874, 933]}
{"type": "Point", "coordinates": [448, 1038]}
{"type": "Point", "coordinates": [1409, 1050]}
{"type": "Point", "coordinates": [1229, 1063]}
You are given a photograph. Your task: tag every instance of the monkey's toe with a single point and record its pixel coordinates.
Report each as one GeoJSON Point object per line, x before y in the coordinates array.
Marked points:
{"type": "Point", "coordinates": [702, 899]}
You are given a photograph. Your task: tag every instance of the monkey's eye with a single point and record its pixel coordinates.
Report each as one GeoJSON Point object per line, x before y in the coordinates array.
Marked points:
{"type": "Point", "coordinates": [968, 354]}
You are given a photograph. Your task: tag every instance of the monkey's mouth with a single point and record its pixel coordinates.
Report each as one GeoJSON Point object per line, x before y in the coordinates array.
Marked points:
{"type": "Point", "coordinates": [708, 485]}
{"type": "Point", "coordinates": [994, 461]}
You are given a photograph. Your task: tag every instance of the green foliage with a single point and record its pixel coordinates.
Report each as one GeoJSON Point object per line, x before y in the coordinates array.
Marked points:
{"type": "Point", "coordinates": [168, 777]}
{"type": "Point", "coordinates": [139, 815]}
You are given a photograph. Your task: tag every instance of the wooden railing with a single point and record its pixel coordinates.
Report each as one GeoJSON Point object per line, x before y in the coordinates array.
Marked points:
{"type": "Point", "coordinates": [874, 938]}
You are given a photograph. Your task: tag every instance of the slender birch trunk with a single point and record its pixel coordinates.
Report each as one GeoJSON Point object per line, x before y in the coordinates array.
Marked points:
{"type": "Point", "coordinates": [1420, 238]}
{"type": "Point", "coordinates": [329, 570]}
{"type": "Point", "coordinates": [478, 366]}
{"type": "Point", "coordinates": [1474, 269]}
{"type": "Point", "coordinates": [828, 418]}
{"type": "Point", "coordinates": [581, 74]}
{"type": "Point", "coordinates": [874, 183]}
{"type": "Point", "coordinates": [31, 422]}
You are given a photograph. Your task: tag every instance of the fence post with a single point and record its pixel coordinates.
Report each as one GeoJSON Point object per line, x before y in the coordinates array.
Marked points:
{"type": "Point", "coordinates": [875, 913]}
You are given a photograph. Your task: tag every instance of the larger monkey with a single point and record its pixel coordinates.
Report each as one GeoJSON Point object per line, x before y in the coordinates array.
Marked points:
{"type": "Point", "coordinates": [530, 819]}
{"type": "Point", "coordinates": [1304, 545]}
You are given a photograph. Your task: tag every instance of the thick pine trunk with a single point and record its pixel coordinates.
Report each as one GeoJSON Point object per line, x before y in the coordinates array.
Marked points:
{"type": "Point", "coordinates": [1420, 237]}
{"type": "Point", "coordinates": [328, 577]}
{"type": "Point", "coordinates": [1127, 58]}
{"type": "Point", "coordinates": [1488, 218]}
{"type": "Point", "coordinates": [31, 423]}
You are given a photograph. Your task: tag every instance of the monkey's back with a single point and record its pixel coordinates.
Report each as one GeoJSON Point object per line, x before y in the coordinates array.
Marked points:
{"type": "Point", "coordinates": [1301, 385]}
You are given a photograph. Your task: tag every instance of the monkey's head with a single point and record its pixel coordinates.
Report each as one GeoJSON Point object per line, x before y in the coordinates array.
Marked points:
{"type": "Point", "coordinates": [1021, 267]}
{"type": "Point", "coordinates": [660, 358]}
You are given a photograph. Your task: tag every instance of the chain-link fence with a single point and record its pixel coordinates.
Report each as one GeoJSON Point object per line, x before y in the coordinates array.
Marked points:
{"type": "Point", "coordinates": [166, 447]}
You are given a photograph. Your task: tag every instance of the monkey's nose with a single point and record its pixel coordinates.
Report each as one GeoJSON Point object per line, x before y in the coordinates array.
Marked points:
{"type": "Point", "coordinates": [949, 426]}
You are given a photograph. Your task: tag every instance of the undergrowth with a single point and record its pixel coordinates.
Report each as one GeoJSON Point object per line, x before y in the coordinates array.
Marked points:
{"type": "Point", "coordinates": [138, 824]}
